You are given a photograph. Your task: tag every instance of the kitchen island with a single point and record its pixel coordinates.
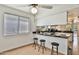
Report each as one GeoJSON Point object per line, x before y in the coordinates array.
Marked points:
{"type": "Point", "coordinates": [63, 41]}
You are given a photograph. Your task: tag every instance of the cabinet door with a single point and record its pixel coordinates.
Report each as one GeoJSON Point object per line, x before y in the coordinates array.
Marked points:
{"type": "Point", "coordinates": [57, 19]}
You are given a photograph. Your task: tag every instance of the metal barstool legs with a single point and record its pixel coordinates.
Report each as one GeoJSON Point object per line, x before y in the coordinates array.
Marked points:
{"type": "Point", "coordinates": [42, 45]}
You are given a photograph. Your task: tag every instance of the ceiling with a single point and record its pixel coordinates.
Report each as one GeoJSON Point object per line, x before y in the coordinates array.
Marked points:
{"type": "Point", "coordinates": [45, 12]}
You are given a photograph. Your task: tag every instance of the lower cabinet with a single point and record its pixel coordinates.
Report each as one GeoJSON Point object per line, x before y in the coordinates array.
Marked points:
{"type": "Point", "coordinates": [62, 42]}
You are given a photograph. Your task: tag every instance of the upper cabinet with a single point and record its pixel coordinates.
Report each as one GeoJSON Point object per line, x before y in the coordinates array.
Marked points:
{"type": "Point", "coordinates": [57, 19]}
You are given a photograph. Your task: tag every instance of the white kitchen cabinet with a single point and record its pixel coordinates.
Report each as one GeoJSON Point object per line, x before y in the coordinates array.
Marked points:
{"type": "Point", "coordinates": [62, 42]}
{"type": "Point", "coordinates": [57, 19]}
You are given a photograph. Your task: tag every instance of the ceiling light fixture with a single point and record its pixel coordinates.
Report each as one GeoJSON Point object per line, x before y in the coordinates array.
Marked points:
{"type": "Point", "coordinates": [34, 9]}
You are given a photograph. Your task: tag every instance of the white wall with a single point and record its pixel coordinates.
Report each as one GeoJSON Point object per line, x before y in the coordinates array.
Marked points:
{"type": "Point", "coordinates": [57, 19]}
{"type": "Point", "coordinates": [10, 42]}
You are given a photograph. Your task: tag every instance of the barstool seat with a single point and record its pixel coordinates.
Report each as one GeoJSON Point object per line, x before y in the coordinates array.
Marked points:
{"type": "Point", "coordinates": [35, 38]}
{"type": "Point", "coordinates": [42, 44]}
{"type": "Point", "coordinates": [54, 44]}
{"type": "Point", "coordinates": [42, 40]}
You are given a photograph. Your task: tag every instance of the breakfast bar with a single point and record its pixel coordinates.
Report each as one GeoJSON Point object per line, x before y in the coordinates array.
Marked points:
{"type": "Point", "coordinates": [60, 39]}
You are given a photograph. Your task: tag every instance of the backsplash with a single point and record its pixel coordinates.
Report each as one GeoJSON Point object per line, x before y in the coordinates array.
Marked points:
{"type": "Point", "coordinates": [67, 27]}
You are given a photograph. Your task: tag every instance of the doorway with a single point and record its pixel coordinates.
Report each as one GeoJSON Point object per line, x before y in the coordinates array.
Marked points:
{"type": "Point", "coordinates": [76, 36]}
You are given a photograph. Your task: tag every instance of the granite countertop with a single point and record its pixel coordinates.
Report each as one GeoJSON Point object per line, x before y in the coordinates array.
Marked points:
{"type": "Point", "coordinates": [56, 36]}
{"type": "Point", "coordinates": [59, 36]}
{"type": "Point", "coordinates": [60, 31]}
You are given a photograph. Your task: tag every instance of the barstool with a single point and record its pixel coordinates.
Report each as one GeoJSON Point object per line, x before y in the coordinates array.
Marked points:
{"type": "Point", "coordinates": [35, 42]}
{"type": "Point", "coordinates": [42, 45]}
{"type": "Point", "coordinates": [69, 51]}
{"type": "Point", "coordinates": [54, 44]}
